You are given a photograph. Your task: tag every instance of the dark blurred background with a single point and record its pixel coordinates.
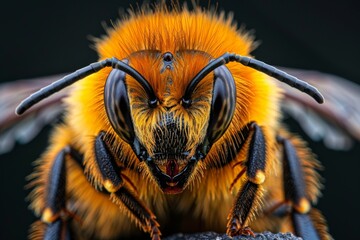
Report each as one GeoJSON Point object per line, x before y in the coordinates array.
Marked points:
{"type": "Point", "coordinates": [53, 37]}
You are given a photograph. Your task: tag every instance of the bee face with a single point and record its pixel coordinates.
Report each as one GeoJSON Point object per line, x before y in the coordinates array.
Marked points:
{"type": "Point", "coordinates": [172, 135]}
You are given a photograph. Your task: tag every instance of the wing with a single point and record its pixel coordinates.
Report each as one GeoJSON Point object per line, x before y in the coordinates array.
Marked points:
{"type": "Point", "coordinates": [337, 121]}
{"type": "Point", "coordinates": [24, 128]}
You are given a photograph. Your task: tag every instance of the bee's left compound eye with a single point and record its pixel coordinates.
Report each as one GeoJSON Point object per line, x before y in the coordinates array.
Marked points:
{"type": "Point", "coordinates": [222, 105]}
{"type": "Point", "coordinates": [117, 105]}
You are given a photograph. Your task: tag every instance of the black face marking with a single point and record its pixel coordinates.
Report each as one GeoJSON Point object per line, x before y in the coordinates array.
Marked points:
{"type": "Point", "coordinates": [170, 140]}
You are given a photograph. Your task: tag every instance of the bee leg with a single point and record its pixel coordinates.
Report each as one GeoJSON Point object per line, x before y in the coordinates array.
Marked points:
{"type": "Point", "coordinates": [248, 198]}
{"type": "Point", "coordinates": [54, 214]}
{"type": "Point", "coordinates": [307, 223]}
{"type": "Point", "coordinates": [119, 194]}
{"type": "Point", "coordinates": [141, 213]}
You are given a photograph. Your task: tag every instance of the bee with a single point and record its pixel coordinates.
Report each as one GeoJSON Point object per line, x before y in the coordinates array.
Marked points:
{"type": "Point", "coordinates": [176, 128]}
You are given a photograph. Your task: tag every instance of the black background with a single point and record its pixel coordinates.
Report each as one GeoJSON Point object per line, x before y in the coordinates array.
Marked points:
{"type": "Point", "coordinates": [50, 38]}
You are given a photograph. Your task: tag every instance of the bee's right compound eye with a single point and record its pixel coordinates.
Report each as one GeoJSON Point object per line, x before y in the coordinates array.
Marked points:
{"type": "Point", "coordinates": [117, 105]}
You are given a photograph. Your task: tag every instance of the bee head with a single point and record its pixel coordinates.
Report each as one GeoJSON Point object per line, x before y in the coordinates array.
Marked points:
{"type": "Point", "coordinates": [172, 115]}
{"type": "Point", "coordinates": [178, 130]}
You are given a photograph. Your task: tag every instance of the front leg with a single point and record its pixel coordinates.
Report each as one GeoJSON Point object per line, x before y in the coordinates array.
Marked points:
{"type": "Point", "coordinates": [248, 199]}
{"type": "Point", "coordinates": [119, 194]}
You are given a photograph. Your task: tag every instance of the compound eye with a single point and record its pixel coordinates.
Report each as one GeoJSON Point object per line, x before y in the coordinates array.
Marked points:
{"type": "Point", "coordinates": [117, 105]}
{"type": "Point", "coordinates": [222, 104]}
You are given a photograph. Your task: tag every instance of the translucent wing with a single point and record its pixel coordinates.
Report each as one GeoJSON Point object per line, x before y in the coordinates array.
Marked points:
{"type": "Point", "coordinates": [337, 121]}
{"type": "Point", "coordinates": [24, 128]}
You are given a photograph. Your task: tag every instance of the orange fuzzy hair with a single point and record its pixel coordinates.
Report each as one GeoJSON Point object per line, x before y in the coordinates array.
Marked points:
{"type": "Point", "coordinates": [162, 30]}
{"type": "Point", "coordinates": [165, 30]}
